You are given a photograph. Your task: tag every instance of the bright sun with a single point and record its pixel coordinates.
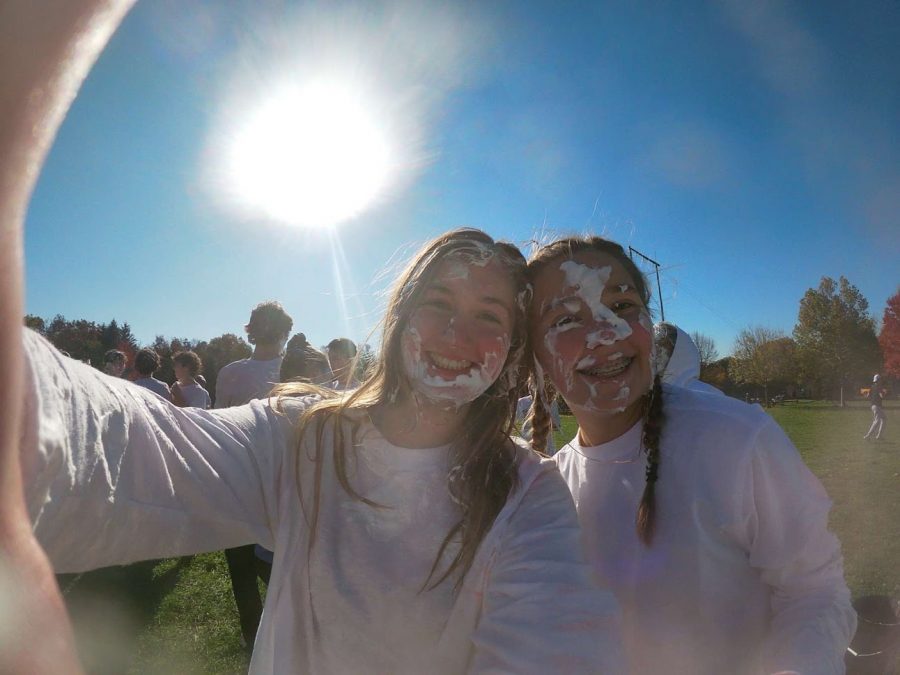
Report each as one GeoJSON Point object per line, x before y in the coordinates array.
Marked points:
{"type": "Point", "coordinates": [313, 156]}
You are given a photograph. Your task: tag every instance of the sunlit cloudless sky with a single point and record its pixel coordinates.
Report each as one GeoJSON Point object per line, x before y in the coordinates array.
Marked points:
{"type": "Point", "coordinates": [750, 148]}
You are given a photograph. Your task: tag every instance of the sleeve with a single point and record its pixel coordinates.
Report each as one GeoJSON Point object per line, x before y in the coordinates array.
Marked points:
{"type": "Point", "coordinates": [786, 530]}
{"type": "Point", "coordinates": [542, 613]}
{"type": "Point", "coordinates": [115, 474]}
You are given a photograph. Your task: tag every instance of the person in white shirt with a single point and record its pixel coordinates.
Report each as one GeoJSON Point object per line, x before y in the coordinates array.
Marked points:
{"type": "Point", "coordinates": [238, 383]}
{"type": "Point", "coordinates": [697, 511]}
{"type": "Point", "coordinates": [146, 362]}
{"type": "Point", "coordinates": [410, 534]}
{"type": "Point", "coordinates": [241, 381]}
{"type": "Point", "coordinates": [186, 391]}
{"type": "Point", "coordinates": [678, 359]}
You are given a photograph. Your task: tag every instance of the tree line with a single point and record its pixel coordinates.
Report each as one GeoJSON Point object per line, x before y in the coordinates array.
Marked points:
{"type": "Point", "coordinates": [89, 341]}
{"type": "Point", "coordinates": [832, 353]}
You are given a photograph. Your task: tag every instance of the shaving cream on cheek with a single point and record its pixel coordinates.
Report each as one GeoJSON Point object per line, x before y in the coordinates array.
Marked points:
{"type": "Point", "coordinates": [465, 387]}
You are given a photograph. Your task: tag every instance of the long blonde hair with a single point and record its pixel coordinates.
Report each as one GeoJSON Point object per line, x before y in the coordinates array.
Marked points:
{"type": "Point", "coordinates": [483, 454]}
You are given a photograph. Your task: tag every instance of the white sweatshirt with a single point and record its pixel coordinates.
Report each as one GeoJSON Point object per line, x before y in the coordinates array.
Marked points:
{"type": "Point", "coordinates": [742, 575]}
{"type": "Point", "coordinates": [116, 474]}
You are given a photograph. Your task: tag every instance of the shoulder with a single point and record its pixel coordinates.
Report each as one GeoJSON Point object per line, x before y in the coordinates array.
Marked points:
{"type": "Point", "coordinates": [539, 478]}
{"type": "Point", "coordinates": [233, 368]}
{"type": "Point", "coordinates": [707, 413]}
{"type": "Point", "coordinates": [292, 407]}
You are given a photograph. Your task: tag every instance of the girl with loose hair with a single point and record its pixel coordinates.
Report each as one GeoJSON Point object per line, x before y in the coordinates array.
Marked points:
{"type": "Point", "coordinates": [696, 509]}
{"type": "Point", "coordinates": [410, 534]}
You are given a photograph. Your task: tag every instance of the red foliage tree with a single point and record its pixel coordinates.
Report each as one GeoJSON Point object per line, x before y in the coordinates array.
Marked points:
{"type": "Point", "coordinates": [889, 338]}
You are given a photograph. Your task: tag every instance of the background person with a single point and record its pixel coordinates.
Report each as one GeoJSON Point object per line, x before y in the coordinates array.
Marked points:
{"type": "Point", "coordinates": [697, 511]}
{"type": "Point", "coordinates": [146, 362]}
{"type": "Point", "coordinates": [876, 400]}
{"type": "Point", "coordinates": [342, 357]}
{"type": "Point", "coordinates": [678, 359]}
{"type": "Point", "coordinates": [114, 362]}
{"type": "Point", "coordinates": [186, 391]}
{"type": "Point", "coordinates": [241, 381]}
{"type": "Point", "coordinates": [238, 383]}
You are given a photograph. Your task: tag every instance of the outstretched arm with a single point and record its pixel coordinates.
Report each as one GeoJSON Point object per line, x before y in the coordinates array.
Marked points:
{"type": "Point", "coordinates": [46, 48]}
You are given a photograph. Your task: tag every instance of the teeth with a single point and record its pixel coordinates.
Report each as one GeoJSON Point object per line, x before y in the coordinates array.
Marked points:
{"type": "Point", "coordinates": [450, 364]}
{"type": "Point", "coordinates": [612, 369]}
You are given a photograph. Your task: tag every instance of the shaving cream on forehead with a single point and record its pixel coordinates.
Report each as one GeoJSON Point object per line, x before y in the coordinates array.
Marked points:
{"type": "Point", "coordinates": [588, 284]}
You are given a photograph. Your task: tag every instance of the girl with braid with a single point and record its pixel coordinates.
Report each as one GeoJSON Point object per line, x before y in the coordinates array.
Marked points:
{"type": "Point", "coordinates": [696, 509]}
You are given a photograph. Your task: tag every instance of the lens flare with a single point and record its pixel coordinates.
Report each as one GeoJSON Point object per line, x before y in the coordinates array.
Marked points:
{"type": "Point", "coordinates": [313, 155]}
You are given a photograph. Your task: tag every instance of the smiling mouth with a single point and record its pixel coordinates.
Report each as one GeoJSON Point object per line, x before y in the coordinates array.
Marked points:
{"type": "Point", "coordinates": [608, 370]}
{"type": "Point", "coordinates": [442, 362]}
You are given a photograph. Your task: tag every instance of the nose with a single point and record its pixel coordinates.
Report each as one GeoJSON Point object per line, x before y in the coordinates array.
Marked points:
{"type": "Point", "coordinates": [603, 332]}
{"type": "Point", "coordinates": [459, 330]}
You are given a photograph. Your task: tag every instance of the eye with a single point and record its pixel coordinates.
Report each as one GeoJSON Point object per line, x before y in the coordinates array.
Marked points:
{"type": "Point", "coordinates": [436, 303]}
{"type": "Point", "coordinates": [622, 306]}
{"type": "Point", "coordinates": [490, 317]}
{"type": "Point", "coordinates": [564, 320]}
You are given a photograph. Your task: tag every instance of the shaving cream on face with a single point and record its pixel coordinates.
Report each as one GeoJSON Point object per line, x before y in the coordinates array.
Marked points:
{"type": "Point", "coordinates": [434, 384]}
{"type": "Point", "coordinates": [614, 345]}
{"type": "Point", "coordinates": [588, 284]}
{"type": "Point", "coordinates": [457, 340]}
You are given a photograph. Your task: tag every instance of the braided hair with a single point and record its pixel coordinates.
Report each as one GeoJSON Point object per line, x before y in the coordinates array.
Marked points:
{"type": "Point", "coordinates": [653, 401]}
{"type": "Point", "coordinates": [653, 425]}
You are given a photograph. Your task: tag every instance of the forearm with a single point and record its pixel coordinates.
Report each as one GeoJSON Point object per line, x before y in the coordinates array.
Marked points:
{"type": "Point", "coordinates": [45, 50]}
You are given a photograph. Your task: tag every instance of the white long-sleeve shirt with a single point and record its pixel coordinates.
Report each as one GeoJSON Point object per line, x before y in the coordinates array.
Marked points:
{"type": "Point", "coordinates": [742, 575]}
{"type": "Point", "coordinates": [115, 475]}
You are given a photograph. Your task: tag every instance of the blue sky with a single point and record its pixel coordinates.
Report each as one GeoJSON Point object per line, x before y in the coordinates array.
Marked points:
{"type": "Point", "coordinates": [750, 148]}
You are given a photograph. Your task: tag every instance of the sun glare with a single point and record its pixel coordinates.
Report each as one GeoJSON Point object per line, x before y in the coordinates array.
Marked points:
{"type": "Point", "coordinates": [314, 156]}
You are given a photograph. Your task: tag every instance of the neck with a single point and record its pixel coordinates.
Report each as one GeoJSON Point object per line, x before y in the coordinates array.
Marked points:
{"type": "Point", "coordinates": [266, 352]}
{"type": "Point", "coordinates": [596, 428]}
{"type": "Point", "coordinates": [416, 422]}
{"type": "Point", "coordinates": [186, 380]}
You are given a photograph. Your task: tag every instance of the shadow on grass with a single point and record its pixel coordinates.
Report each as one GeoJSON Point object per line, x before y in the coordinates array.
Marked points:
{"type": "Point", "coordinates": [111, 607]}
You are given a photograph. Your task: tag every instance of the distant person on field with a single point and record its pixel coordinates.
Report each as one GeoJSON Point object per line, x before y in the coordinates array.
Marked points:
{"type": "Point", "coordinates": [114, 363]}
{"type": "Point", "coordinates": [146, 362]}
{"type": "Point", "coordinates": [678, 359]}
{"type": "Point", "coordinates": [876, 399]}
{"type": "Point", "coordinates": [186, 391]}
{"type": "Point", "coordinates": [238, 383]}
{"type": "Point", "coordinates": [342, 356]}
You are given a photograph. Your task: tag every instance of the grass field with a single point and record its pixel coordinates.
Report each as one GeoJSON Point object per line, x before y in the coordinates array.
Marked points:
{"type": "Point", "coordinates": [178, 616]}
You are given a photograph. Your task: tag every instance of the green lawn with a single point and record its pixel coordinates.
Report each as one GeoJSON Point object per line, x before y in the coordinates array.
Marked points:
{"type": "Point", "coordinates": [179, 616]}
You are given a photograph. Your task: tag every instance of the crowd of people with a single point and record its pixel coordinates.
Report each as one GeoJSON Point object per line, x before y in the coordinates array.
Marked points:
{"type": "Point", "coordinates": [409, 532]}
